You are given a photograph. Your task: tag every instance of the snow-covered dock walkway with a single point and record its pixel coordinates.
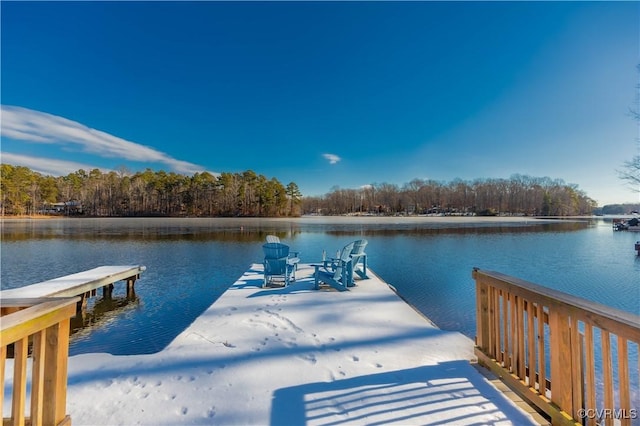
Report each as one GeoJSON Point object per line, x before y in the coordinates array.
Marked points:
{"type": "Point", "coordinates": [295, 356]}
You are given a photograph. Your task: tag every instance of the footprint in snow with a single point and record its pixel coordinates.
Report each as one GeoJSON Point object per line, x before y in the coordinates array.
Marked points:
{"type": "Point", "coordinates": [310, 357]}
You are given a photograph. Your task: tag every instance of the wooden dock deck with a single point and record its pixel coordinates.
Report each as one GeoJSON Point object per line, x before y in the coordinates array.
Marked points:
{"type": "Point", "coordinates": [83, 284]}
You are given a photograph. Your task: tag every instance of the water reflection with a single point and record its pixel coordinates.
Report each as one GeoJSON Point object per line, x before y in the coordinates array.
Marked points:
{"type": "Point", "coordinates": [102, 311]}
{"type": "Point", "coordinates": [191, 262]}
{"type": "Point", "coordinates": [254, 230]}
{"type": "Point", "coordinates": [467, 229]}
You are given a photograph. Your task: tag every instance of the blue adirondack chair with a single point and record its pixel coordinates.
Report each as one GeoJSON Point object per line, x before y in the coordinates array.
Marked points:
{"type": "Point", "coordinates": [292, 254]}
{"type": "Point", "coordinates": [337, 272]}
{"type": "Point", "coordinates": [278, 264]}
{"type": "Point", "coordinates": [359, 258]}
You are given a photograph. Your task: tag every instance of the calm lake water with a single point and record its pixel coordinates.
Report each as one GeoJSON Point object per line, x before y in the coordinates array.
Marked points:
{"type": "Point", "coordinates": [191, 262]}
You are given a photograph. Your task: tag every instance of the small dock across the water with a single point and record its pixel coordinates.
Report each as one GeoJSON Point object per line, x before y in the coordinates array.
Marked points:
{"type": "Point", "coordinates": [84, 284]}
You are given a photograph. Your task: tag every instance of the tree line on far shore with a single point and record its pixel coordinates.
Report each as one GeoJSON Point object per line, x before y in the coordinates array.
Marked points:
{"type": "Point", "coordinates": [518, 195]}
{"type": "Point", "coordinates": [150, 193]}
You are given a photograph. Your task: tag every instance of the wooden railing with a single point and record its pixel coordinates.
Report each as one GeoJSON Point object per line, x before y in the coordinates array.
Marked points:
{"type": "Point", "coordinates": [37, 329]}
{"type": "Point", "coordinates": [544, 344]}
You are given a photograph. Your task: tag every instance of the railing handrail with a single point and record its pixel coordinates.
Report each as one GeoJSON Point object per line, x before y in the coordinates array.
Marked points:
{"type": "Point", "coordinates": [615, 320]}
{"type": "Point", "coordinates": [522, 325]}
{"type": "Point", "coordinates": [43, 325]}
{"type": "Point", "coordinates": [38, 314]}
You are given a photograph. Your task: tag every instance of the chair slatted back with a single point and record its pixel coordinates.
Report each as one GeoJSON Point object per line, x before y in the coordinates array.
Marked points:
{"type": "Point", "coordinates": [275, 258]}
{"type": "Point", "coordinates": [345, 259]}
{"type": "Point", "coordinates": [275, 250]}
{"type": "Point", "coordinates": [358, 248]}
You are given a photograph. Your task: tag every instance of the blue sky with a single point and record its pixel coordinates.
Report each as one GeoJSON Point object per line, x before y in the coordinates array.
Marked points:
{"type": "Point", "coordinates": [325, 93]}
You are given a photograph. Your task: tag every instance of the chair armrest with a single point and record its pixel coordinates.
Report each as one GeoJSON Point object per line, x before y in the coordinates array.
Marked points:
{"type": "Point", "coordinates": [330, 261]}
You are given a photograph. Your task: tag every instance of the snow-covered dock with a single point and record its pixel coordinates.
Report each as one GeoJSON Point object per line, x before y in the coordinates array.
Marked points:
{"type": "Point", "coordinates": [293, 356]}
{"type": "Point", "coordinates": [83, 284]}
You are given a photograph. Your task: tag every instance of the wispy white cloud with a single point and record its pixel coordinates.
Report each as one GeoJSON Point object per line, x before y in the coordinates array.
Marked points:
{"type": "Point", "coordinates": [46, 166]}
{"type": "Point", "coordinates": [332, 158]}
{"type": "Point", "coordinates": [40, 127]}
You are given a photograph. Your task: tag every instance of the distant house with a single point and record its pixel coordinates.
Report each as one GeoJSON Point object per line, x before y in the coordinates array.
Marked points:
{"type": "Point", "coordinates": [72, 207]}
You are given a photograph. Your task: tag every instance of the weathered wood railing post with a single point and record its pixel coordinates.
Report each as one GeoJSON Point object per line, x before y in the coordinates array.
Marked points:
{"type": "Point", "coordinates": [482, 317]}
{"type": "Point", "coordinates": [55, 372]}
{"type": "Point", "coordinates": [561, 369]}
{"type": "Point", "coordinates": [46, 322]}
{"type": "Point", "coordinates": [523, 329]}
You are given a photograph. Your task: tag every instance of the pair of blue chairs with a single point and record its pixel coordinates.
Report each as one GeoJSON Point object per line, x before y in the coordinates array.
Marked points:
{"type": "Point", "coordinates": [279, 262]}
{"type": "Point", "coordinates": [340, 272]}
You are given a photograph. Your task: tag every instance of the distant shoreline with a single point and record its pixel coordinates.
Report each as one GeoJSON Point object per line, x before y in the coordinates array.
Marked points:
{"type": "Point", "coordinates": [333, 219]}
{"type": "Point", "coordinates": [449, 219]}
{"type": "Point", "coordinates": [37, 216]}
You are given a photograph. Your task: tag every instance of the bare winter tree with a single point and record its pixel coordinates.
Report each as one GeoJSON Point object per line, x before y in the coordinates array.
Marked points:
{"type": "Point", "coordinates": [630, 172]}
